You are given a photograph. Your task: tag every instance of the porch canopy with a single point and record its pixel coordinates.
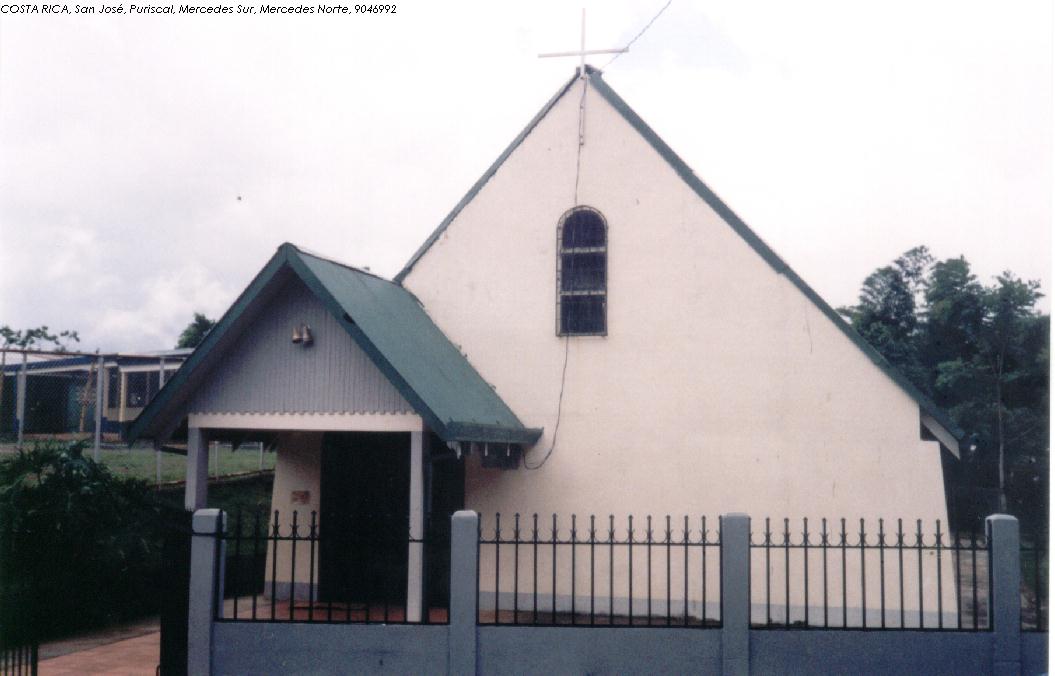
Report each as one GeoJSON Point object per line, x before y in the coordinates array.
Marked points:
{"type": "Point", "coordinates": [384, 320]}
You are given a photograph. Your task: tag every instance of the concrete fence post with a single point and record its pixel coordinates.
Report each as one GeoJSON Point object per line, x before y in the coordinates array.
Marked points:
{"type": "Point", "coordinates": [465, 528]}
{"type": "Point", "coordinates": [736, 594]}
{"type": "Point", "coordinates": [206, 587]}
{"type": "Point", "coordinates": [1004, 596]}
{"type": "Point", "coordinates": [20, 401]}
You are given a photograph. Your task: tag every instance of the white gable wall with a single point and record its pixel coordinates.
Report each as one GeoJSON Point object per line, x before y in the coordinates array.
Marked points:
{"type": "Point", "coordinates": [720, 387]}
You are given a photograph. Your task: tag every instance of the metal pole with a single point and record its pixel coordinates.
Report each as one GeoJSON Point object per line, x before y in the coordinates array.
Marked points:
{"type": "Point", "coordinates": [20, 402]}
{"type": "Point", "coordinates": [98, 409]}
{"type": "Point", "coordinates": [157, 447]}
{"type": "Point", "coordinates": [261, 456]}
{"type": "Point", "coordinates": [3, 375]}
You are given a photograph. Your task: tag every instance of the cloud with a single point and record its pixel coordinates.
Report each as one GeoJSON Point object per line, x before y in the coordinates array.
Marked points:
{"type": "Point", "coordinates": [843, 133]}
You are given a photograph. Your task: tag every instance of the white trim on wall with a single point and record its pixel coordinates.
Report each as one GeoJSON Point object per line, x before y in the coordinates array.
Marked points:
{"type": "Point", "coordinates": [942, 434]}
{"type": "Point", "coordinates": [150, 368]}
{"type": "Point", "coordinates": [316, 422]}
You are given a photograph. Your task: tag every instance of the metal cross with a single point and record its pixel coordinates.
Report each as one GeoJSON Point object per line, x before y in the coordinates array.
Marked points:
{"type": "Point", "coordinates": [583, 51]}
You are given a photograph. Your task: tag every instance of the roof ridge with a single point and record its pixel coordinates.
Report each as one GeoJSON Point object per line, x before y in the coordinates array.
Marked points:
{"type": "Point", "coordinates": [314, 254]}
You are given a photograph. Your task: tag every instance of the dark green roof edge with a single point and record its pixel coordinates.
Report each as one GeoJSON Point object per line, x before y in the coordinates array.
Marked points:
{"type": "Point", "coordinates": [289, 256]}
{"type": "Point", "coordinates": [478, 186]}
{"type": "Point", "coordinates": [770, 256]}
{"type": "Point", "coordinates": [493, 434]}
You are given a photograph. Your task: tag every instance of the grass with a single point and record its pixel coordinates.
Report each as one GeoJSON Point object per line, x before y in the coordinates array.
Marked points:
{"type": "Point", "coordinates": [141, 462]}
{"type": "Point", "coordinates": [248, 496]}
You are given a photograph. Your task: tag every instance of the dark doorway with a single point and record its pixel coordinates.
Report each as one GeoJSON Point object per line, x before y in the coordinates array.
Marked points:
{"type": "Point", "coordinates": [446, 486]}
{"type": "Point", "coordinates": [364, 517]}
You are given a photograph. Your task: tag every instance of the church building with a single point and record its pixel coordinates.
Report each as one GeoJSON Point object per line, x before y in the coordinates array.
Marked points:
{"type": "Point", "coordinates": [591, 330]}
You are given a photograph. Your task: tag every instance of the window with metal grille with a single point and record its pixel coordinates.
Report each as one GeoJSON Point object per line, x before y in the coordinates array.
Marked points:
{"type": "Point", "coordinates": [142, 386]}
{"type": "Point", "coordinates": [582, 273]}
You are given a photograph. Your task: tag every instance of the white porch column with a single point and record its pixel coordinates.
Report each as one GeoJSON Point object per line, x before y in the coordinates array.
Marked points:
{"type": "Point", "coordinates": [197, 469]}
{"type": "Point", "coordinates": [123, 404]}
{"type": "Point", "coordinates": [415, 552]}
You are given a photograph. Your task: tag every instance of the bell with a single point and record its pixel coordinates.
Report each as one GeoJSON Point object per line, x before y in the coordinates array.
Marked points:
{"type": "Point", "coordinates": [296, 334]}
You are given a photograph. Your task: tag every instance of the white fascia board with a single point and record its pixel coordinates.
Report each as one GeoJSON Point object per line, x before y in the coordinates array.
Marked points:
{"type": "Point", "coordinates": [314, 422]}
{"type": "Point", "coordinates": [943, 435]}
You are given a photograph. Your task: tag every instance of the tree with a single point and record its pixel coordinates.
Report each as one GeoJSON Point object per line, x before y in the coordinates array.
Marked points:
{"type": "Point", "coordinates": [1010, 309]}
{"type": "Point", "coordinates": [954, 311]}
{"type": "Point", "coordinates": [981, 352]}
{"type": "Point", "coordinates": [57, 508]}
{"type": "Point", "coordinates": [886, 313]}
{"type": "Point", "coordinates": [994, 372]}
{"type": "Point", "coordinates": [195, 331]}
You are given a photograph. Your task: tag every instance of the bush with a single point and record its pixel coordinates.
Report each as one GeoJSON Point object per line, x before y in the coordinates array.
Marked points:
{"type": "Point", "coordinates": [79, 547]}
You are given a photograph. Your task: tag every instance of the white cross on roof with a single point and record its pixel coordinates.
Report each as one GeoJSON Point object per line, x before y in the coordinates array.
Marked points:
{"type": "Point", "coordinates": [582, 50]}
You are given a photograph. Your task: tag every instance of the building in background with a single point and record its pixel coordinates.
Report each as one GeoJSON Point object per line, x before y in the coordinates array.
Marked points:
{"type": "Point", "coordinates": [60, 391]}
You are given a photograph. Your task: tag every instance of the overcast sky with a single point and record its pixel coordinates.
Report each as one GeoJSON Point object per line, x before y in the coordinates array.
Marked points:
{"type": "Point", "coordinates": [843, 133]}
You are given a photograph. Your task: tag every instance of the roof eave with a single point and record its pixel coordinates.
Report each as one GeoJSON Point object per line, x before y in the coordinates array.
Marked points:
{"type": "Point", "coordinates": [495, 434]}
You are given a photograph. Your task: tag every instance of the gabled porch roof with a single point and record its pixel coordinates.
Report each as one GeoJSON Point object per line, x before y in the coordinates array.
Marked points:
{"type": "Point", "coordinates": [388, 324]}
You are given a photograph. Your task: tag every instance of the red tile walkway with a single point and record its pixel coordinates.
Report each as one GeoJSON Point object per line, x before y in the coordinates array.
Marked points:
{"type": "Point", "coordinates": [131, 657]}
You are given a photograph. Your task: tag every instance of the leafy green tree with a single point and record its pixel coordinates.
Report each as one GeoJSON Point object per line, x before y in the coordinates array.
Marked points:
{"type": "Point", "coordinates": [954, 311]}
{"type": "Point", "coordinates": [78, 546]}
{"type": "Point", "coordinates": [195, 331]}
{"type": "Point", "coordinates": [886, 313]}
{"type": "Point", "coordinates": [981, 351]}
{"type": "Point", "coordinates": [1005, 357]}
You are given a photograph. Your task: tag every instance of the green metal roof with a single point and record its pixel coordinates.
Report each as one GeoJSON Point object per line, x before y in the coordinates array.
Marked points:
{"type": "Point", "coordinates": [682, 170]}
{"type": "Point", "coordinates": [387, 323]}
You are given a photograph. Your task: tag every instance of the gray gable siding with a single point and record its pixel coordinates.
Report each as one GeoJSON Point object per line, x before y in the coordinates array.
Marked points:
{"type": "Point", "coordinates": [264, 372]}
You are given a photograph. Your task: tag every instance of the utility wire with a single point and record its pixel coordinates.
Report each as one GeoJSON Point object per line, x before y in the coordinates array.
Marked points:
{"type": "Point", "coordinates": [567, 337]}
{"type": "Point", "coordinates": [642, 32]}
{"type": "Point", "coordinates": [575, 202]}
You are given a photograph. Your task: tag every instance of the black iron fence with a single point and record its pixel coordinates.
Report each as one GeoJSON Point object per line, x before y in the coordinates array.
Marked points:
{"type": "Point", "coordinates": [1034, 560]}
{"type": "Point", "coordinates": [589, 573]}
{"type": "Point", "coordinates": [297, 569]}
{"type": "Point", "coordinates": [651, 572]}
{"type": "Point", "coordinates": [561, 646]}
{"type": "Point", "coordinates": [18, 660]}
{"type": "Point", "coordinates": [842, 576]}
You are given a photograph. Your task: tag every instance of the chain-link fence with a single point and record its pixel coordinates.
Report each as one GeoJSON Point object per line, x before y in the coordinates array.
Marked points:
{"type": "Point", "coordinates": [77, 394]}
{"type": "Point", "coordinates": [60, 396]}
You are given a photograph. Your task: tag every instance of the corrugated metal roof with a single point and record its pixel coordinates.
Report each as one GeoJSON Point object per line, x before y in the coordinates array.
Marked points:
{"type": "Point", "coordinates": [390, 325]}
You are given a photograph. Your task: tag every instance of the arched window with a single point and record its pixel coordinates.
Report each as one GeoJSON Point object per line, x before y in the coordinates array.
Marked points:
{"type": "Point", "coordinates": [582, 273]}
